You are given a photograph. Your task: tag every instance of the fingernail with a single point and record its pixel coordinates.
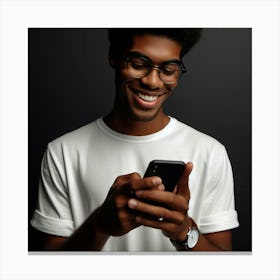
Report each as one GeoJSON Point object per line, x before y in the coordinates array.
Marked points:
{"type": "Point", "coordinates": [139, 193]}
{"type": "Point", "coordinates": [132, 203]}
{"type": "Point", "coordinates": [161, 187]}
{"type": "Point", "coordinates": [157, 181]}
{"type": "Point", "coordinates": [137, 219]}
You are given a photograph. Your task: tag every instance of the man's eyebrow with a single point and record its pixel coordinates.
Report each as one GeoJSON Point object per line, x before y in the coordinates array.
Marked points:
{"type": "Point", "coordinates": [138, 54]}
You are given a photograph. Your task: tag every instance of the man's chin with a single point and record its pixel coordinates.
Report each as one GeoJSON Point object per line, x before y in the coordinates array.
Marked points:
{"type": "Point", "coordinates": [143, 119]}
{"type": "Point", "coordinates": [144, 116]}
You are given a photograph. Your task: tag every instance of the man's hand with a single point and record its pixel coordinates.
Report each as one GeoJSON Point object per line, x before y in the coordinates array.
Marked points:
{"type": "Point", "coordinates": [173, 219]}
{"type": "Point", "coordinates": [122, 212]}
{"type": "Point", "coordinates": [114, 217]}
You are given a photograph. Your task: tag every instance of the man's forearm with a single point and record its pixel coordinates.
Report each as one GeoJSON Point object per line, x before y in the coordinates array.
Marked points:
{"type": "Point", "coordinates": [218, 241]}
{"type": "Point", "coordinates": [205, 244]}
{"type": "Point", "coordinates": [88, 237]}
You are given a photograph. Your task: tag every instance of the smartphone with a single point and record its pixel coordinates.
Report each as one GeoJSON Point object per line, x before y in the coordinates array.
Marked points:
{"type": "Point", "coordinates": [168, 170]}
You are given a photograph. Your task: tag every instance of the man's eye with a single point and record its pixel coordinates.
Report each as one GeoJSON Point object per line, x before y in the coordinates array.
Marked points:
{"type": "Point", "coordinates": [170, 69]}
{"type": "Point", "coordinates": [139, 64]}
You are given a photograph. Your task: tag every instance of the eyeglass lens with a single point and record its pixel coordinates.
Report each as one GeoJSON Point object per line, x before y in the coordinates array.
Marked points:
{"type": "Point", "coordinates": [140, 67]}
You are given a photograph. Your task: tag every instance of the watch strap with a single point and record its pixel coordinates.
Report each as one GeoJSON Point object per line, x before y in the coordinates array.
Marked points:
{"type": "Point", "coordinates": [183, 245]}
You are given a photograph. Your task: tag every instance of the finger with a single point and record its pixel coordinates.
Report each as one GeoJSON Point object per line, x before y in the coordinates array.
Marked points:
{"type": "Point", "coordinates": [170, 200]}
{"type": "Point", "coordinates": [123, 179]}
{"type": "Point", "coordinates": [154, 182]}
{"type": "Point", "coordinates": [163, 225]}
{"type": "Point", "coordinates": [156, 211]}
{"type": "Point", "coordinates": [121, 183]}
{"type": "Point", "coordinates": [126, 216]}
{"type": "Point", "coordinates": [129, 183]}
{"type": "Point", "coordinates": [183, 183]}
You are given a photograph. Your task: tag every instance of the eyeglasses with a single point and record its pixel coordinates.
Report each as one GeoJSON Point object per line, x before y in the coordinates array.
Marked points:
{"type": "Point", "coordinates": [139, 67]}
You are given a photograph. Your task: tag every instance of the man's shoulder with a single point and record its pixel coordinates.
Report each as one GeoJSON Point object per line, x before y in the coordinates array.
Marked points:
{"type": "Point", "coordinates": [76, 137]}
{"type": "Point", "coordinates": [195, 135]}
{"type": "Point", "coordinates": [202, 145]}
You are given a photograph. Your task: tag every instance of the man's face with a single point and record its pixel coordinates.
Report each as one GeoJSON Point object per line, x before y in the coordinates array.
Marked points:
{"type": "Point", "coordinates": [142, 98]}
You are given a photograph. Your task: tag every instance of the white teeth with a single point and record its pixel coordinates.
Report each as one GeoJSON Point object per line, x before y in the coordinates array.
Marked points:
{"type": "Point", "coordinates": [147, 97]}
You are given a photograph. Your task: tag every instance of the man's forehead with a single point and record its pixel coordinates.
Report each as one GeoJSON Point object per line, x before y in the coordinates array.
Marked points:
{"type": "Point", "coordinates": [157, 48]}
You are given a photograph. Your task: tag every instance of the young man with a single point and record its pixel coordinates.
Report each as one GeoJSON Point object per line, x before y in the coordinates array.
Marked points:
{"type": "Point", "coordinates": [92, 194]}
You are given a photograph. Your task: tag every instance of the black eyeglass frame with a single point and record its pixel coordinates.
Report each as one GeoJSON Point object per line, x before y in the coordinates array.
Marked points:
{"type": "Point", "coordinates": [127, 58]}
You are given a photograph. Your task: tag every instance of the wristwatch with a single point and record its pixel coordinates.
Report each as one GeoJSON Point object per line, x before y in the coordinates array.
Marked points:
{"type": "Point", "coordinates": [190, 241]}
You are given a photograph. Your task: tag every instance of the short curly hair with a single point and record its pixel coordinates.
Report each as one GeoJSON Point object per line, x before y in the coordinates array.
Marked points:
{"type": "Point", "coordinates": [121, 39]}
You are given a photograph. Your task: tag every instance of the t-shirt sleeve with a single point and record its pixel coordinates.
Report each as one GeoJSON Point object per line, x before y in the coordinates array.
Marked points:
{"type": "Point", "coordinates": [218, 207]}
{"type": "Point", "coordinates": [53, 212]}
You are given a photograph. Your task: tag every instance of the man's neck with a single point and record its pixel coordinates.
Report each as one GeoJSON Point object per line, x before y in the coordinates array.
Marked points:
{"type": "Point", "coordinates": [128, 126]}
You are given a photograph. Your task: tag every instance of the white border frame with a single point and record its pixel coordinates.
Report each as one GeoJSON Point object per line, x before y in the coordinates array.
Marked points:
{"type": "Point", "coordinates": [17, 16]}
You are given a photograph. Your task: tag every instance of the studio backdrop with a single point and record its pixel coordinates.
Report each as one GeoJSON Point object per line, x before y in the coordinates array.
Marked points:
{"type": "Point", "coordinates": [70, 83]}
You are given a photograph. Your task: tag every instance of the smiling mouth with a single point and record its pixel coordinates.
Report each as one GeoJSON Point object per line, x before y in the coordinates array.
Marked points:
{"type": "Point", "coordinates": [148, 98]}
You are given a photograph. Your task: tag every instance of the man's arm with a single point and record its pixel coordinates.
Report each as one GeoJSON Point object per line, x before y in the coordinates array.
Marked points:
{"type": "Point", "coordinates": [217, 241]}
{"type": "Point", "coordinates": [112, 218]}
{"type": "Point", "coordinates": [174, 220]}
{"type": "Point", "coordinates": [86, 238]}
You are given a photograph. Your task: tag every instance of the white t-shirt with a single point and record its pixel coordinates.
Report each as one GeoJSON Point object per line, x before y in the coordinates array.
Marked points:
{"type": "Point", "coordinates": [79, 168]}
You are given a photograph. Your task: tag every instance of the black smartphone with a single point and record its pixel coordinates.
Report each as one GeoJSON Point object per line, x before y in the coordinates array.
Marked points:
{"type": "Point", "coordinates": [168, 170]}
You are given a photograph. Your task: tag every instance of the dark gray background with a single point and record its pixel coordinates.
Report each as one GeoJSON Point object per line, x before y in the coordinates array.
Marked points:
{"type": "Point", "coordinates": [70, 83]}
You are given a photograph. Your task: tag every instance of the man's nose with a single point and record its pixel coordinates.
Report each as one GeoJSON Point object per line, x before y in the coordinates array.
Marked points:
{"type": "Point", "coordinates": [153, 78]}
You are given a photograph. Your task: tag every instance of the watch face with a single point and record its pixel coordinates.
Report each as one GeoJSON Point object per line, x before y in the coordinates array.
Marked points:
{"type": "Point", "coordinates": [193, 238]}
